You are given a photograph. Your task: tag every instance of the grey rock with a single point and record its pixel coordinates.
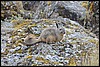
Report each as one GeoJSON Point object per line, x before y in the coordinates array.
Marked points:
{"type": "Point", "coordinates": [68, 50]}
{"type": "Point", "coordinates": [17, 48]}
{"type": "Point", "coordinates": [89, 45]}
{"type": "Point", "coordinates": [67, 54]}
{"type": "Point", "coordinates": [11, 50]}
{"type": "Point", "coordinates": [49, 57]}
{"type": "Point", "coordinates": [55, 58]}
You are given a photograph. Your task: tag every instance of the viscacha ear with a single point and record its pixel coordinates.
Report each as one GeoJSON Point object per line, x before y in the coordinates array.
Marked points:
{"type": "Point", "coordinates": [29, 30]}
{"type": "Point", "coordinates": [57, 25]}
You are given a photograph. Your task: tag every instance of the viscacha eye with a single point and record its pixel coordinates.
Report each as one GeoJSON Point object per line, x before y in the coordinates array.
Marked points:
{"type": "Point", "coordinates": [60, 29]}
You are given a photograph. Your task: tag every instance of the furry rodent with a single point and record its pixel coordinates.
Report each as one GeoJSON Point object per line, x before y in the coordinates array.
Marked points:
{"type": "Point", "coordinates": [48, 35]}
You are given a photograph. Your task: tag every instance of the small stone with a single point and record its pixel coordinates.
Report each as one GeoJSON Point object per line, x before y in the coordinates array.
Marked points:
{"type": "Point", "coordinates": [67, 61]}
{"type": "Point", "coordinates": [17, 48]}
{"type": "Point", "coordinates": [49, 57]}
{"type": "Point", "coordinates": [11, 50]}
{"type": "Point", "coordinates": [61, 64]}
{"type": "Point", "coordinates": [67, 54]}
{"type": "Point", "coordinates": [68, 50]}
{"type": "Point", "coordinates": [24, 47]}
{"type": "Point", "coordinates": [55, 58]}
{"type": "Point", "coordinates": [74, 46]}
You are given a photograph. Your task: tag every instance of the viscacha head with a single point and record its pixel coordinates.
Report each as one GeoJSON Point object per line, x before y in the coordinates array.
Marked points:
{"type": "Point", "coordinates": [62, 30]}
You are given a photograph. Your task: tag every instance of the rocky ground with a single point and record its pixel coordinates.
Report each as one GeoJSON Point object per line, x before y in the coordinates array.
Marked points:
{"type": "Point", "coordinates": [79, 47]}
